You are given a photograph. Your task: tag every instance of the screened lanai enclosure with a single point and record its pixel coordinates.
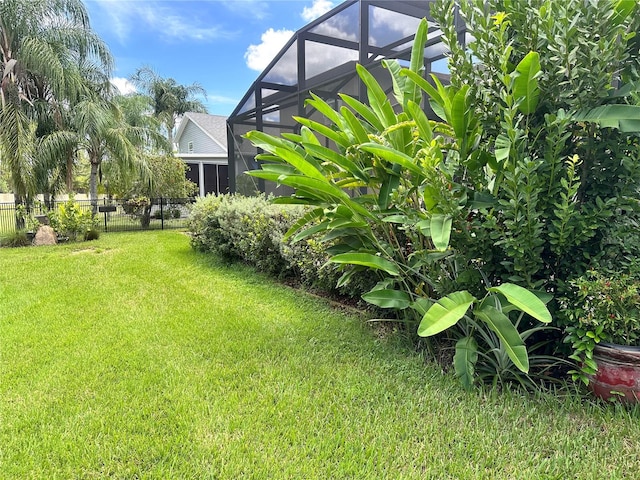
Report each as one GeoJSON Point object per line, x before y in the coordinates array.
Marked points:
{"type": "Point", "coordinates": [321, 58]}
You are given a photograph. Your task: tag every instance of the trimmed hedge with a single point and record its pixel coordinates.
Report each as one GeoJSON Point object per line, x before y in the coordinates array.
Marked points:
{"type": "Point", "coordinates": [251, 230]}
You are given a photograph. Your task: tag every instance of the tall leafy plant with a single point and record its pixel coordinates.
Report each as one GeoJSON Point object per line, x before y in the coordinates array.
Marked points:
{"type": "Point", "coordinates": [564, 163]}
{"type": "Point", "coordinates": [395, 195]}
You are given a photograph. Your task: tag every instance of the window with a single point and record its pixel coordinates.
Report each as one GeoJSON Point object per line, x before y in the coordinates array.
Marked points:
{"type": "Point", "coordinates": [190, 147]}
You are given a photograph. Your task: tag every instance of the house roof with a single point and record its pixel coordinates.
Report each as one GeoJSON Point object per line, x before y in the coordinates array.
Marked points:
{"type": "Point", "coordinates": [215, 126]}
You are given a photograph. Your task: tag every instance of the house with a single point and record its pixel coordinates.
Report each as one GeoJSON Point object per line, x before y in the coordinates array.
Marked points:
{"type": "Point", "coordinates": [201, 142]}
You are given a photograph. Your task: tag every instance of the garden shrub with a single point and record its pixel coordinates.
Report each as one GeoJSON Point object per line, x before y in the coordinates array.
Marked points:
{"type": "Point", "coordinates": [243, 228]}
{"type": "Point", "coordinates": [252, 229]}
{"type": "Point", "coordinates": [203, 224]}
{"type": "Point", "coordinates": [92, 234]}
{"type": "Point", "coordinates": [71, 220]}
{"type": "Point", "coordinates": [15, 239]}
{"type": "Point", "coordinates": [512, 189]}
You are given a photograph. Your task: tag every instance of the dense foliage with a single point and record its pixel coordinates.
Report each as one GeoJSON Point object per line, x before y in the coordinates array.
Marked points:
{"type": "Point", "coordinates": [164, 177]}
{"type": "Point", "coordinates": [251, 230]}
{"type": "Point", "coordinates": [559, 184]}
{"type": "Point", "coordinates": [50, 59]}
{"type": "Point", "coordinates": [509, 194]}
{"type": "Point", "coordinates": [70, 221]}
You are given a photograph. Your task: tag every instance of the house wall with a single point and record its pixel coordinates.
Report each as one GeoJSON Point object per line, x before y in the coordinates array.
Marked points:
{"type": "Point", "coordinates": [202, 143]}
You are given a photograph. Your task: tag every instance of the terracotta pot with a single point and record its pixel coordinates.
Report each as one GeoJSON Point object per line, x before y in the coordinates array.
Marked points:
{"type": "Point", "coordinates": [618, 372]}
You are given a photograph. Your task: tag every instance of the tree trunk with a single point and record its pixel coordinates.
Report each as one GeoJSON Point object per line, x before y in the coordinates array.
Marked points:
{"type": "Point", "coordinates": [145, 219]}
{"type": "Point", "coordinates": [93, 187]}
{"type": "Point", "coordinates": [18, 201]}
{"type": "Point", "coordinates": [171, 124]}
{"type": "Point", "coordinates": [69, 172]}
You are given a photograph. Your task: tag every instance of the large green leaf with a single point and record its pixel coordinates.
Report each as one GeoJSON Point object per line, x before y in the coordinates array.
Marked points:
{"type": "Point", "coordinates": [388, 298]}
{"type": "Point", "coordinates": [312, 230]}
{"type": "Point", "coordinates": [464, 361]}
{"type": "Point", "coordinates": [446, 97]}
{"type": "Point", "coordinates": [377, 98]}
{"type": "Point", "coordinates": [623, 9]}
{"type": "Point", "coordinates": [363, 110]}
{"type": "Point", "coordinates": [413, 92]}
{"type": "Point", "coordinates": [429, 89]}
{"type": "Point", "coordinates": [459, 119]}
{"type": "Point", "coordinates": [525, 300]}
{"type": "Point", "coordinates": [271, 176]}
{"type": "Point", "coordinates": [337, 159]}
{"type": "Point", "coordinates": [525, 84]}
{"type": "Point", "coordinates": [392, 155]}
{"type": "Point", "coordinates": [306, 136]}
{"type": "Point", "coordinates": [358, 131]}
{"type": "Point", "coordinates": [506, 331]}
{"type": "Point", "coordinates": [389, 185]}
{"type": "Point", "coordinates": [421, 306]}
{"type": "Point", "coordinates": [286, 151]}
{"type": "Point", "coordinates": [346, 223]}
{"type": "Point", "coordinates": [313, 185]}
{"type": "Point", "coordinates": [404, 89]}
{"type": "Point", "coordinates": [626, 118]}
{"type": "Point", "coordinates": [397, 218]}
{"type": "Point", "coordinates": [367, 260]}
{"type": "Point", "coordinates": [398, 80]}
{"type": "Point", "coordinates": [267, 142]}
{"type": "Point", "coordinates": [445, 313]}
{"type": "Point", "coordinates": [338, 137]}
{"type": "Point", "coordinates": [502, 148]}
{"type": "Point", "coordinates": [315, 189]}
{"type": "Point", "coordinates": [422, 122]}
{"type": "Point", "coordinates": [323, 107]}
{"type": "Point", "coordinates": [308, 217]}
{"type": "Point", "coordinates": [440, 228]}
{"type": "Point", "coordinates": [279, 168]}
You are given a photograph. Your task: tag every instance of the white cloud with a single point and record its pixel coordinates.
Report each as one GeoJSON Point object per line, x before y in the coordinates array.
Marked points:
{"type": "Point", "coordinates": [256, 9]}
{"type": "Point", "coordinates": [212, 98]}
{"type": "Point", "coordinates": [319, 58]}
{"type": "Point", "coordinates": [166, 18]}
{"type": "Point", "coordinates": [344, 26]}
{"type": "Point", "coordinates": [123, 85]}
{"type": "Point", "coordinates": [272, 41]}
{"type": "Point", "coordinates": [317, 9]}
{"type": "Point", "coordinates": [389, 20]}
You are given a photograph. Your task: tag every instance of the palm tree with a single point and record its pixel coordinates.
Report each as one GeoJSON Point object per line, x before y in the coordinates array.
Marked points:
{"type": "Point", "coordinates": [99, 128]}
{"type": "Point", "coordinates": [169, 99]}
{"type": "Point", "coordinates": [43, 44]}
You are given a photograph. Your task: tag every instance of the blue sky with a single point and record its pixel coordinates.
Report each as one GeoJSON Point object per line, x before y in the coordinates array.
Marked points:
{"type": "Point", "coordinates": [221, 44]}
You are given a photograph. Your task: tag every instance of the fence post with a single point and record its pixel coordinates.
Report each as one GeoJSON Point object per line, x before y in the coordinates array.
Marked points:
{"type": "Point", "coordinates": [161, 214]}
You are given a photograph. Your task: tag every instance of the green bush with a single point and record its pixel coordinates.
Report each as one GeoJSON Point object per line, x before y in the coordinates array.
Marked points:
{"type": "Point", "coordinates": [251, 229]}
{"type": "Point", "coordinates": [207, 235]}
{"type": "Point", "coordinates": [71, 221]}
{"type": "Point", "coordinates": [418, 203]}
{"type": "Point", "coordinates": [92, 234]}
{"type": "Point", "coordinates": [15, 239]}
{"type": "Point", "coordinates": [243, 228]}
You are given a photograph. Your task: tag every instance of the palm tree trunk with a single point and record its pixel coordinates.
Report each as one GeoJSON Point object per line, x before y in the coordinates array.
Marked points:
{"type": "Point", "coordinates": [18, 202]}
{"type": "Point", "coordinates": [69, 172]}
{"type": "Point", "coordinates": [93, 187]}
{"type": "Point", "coordinates": [171, 124]}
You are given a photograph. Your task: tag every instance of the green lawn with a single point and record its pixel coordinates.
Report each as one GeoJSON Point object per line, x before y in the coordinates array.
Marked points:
{"type": "Point", "coordinates": [135, 357]}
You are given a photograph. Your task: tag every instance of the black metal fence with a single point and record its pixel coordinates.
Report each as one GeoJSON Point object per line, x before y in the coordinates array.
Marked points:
{"type": "Point", "coordinates": [114, 215]}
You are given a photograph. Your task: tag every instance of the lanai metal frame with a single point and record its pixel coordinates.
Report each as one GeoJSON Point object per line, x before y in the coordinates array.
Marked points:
{"type": "Point", "coordinates": [321, 58]}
